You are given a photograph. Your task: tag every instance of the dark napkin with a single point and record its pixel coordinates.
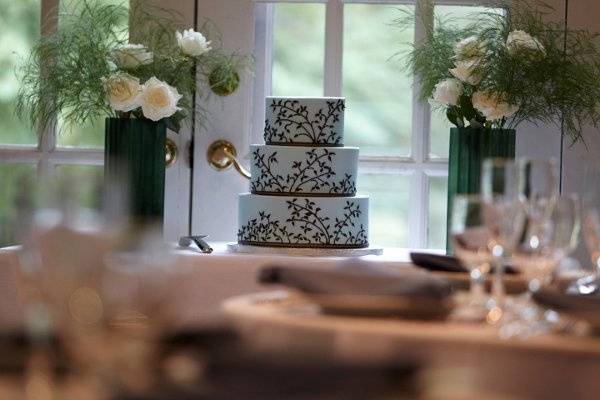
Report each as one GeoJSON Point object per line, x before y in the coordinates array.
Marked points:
{"type": "Point", "coordinates": [582, 306]}
{"type": "Point", "coordinates": [443, 263]}
{"type": "Point", "coordinates": [357, 277]}
{"type": "Point", "coordinates": [568, 303]}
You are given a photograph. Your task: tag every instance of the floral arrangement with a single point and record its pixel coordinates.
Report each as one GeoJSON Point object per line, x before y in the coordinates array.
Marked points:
{"type": "Point", "coordinates": [508, 67]}
{"type": "Point", "coordinates": [91, 67]}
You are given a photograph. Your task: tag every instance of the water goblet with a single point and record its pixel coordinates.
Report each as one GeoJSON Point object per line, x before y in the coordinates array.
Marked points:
{"type": "Point", "coordinates": [591, 228]}
{"type": "Point", "coordinates": [541, 248]}
{"type": "Point", "coordinates": [470, 239]}
{"type": "Point", "coordinates": [538, 187]}
{"type": "Point", "coordinates": [503, 215]}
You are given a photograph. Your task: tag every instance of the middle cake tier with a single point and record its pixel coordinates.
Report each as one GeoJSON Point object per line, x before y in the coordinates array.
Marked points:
{"type": "Point", "coordinates": [306, 171]}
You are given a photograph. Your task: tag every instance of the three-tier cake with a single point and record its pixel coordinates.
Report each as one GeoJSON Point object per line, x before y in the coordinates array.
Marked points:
{"type": "Point", "coordinates": [303, 184]}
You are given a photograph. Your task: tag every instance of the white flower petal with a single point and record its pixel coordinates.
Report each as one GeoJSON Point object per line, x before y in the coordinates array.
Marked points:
{"type": "Point", "coordinates": [521, 40]}
{"type": "Point", "coordinates": [467, 71]}
{"type": "Point", "coordinates": [159, 100]}
{"type": "Point", "coordinates": [131, 56]}
{"type": "Point", "coordinates": [192, 43]}
{"type": "Point", "coordinates": [123, 92]}
{"type": "Point", "coordinates": [447, 92]}
{"type": "Point", "coordinates": [492, 107]}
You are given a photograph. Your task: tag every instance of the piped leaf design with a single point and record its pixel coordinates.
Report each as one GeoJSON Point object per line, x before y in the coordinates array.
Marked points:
{"type": "Point", "coordinates": [314, 173]}
{"type": "Point", "coordinates": [293, 123]}
{"type": "Point", "coordinates": [306, 225]}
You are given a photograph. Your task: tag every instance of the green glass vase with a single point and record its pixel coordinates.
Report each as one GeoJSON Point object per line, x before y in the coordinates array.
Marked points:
{"type": "Point", "coordinates": [469, 147]}
{"type": "Point", "coordinates": [134, 167]}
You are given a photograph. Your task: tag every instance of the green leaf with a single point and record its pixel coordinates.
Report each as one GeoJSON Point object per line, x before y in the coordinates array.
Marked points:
{"type": "Point", "coordinates": [454, 116]}
{"type": "Point", "coordinates": [466, 106]}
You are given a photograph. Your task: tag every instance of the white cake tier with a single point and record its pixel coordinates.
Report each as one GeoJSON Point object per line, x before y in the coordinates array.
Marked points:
{"type": "Point", "coordinates": [294, 221]}
{"type": "Point", "coordinates": [304, 120]}
{"type": "Point", "coordinates": [306, 171]}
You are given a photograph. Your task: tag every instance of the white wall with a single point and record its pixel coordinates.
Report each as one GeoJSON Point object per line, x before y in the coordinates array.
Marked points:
{"type": "Point", "coordinates": [582, 14]}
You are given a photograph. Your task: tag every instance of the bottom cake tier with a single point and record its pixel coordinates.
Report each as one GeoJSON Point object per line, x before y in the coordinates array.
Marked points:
{"type": "Point", "coordinates": [295, 221]}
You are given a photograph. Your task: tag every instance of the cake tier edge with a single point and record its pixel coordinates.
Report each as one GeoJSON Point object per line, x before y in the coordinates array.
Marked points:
{"type": "Point", "coordinates": [303, 171]}
{"type": "Point", "coordinates": [308, 222]}
{"type": "Point", "coordinates": [304, 120]}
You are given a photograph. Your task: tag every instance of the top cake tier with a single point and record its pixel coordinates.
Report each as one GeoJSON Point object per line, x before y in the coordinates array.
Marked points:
{"type": "Point", "coordinates": [304, 121]}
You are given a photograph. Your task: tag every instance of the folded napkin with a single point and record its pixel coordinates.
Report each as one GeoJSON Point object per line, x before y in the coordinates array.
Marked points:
{"type": "Point", "coordinates": [443, 263]}
{"type": "Point", "coordinates": [357, 277]}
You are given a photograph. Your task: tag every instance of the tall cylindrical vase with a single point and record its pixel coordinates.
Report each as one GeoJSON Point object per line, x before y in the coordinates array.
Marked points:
{"type": "Point", "coordinates": [134, 167]}
{"type": "Point", "coordinates": [469, 147]}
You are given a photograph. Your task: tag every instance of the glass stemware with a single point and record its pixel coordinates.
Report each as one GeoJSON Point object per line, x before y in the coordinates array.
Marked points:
{"type": "Point", "coordinates": [591, 230]}
{"type": "Point", "coordinates": [470, 239]}
{"type": "Point", "coordinates": [538, 187]}
{"type": "Point", "coordinates": [541, 248]}
{"type": "Point", "coordinates": [503, 215]}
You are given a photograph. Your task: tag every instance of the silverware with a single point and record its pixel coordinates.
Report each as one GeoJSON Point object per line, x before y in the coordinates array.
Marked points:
{"type": "Point", "coordinates": [186, 241]}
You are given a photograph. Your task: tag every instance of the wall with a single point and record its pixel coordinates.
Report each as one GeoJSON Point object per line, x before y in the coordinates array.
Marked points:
{"type": "Point", "coordinates": [582, 14]}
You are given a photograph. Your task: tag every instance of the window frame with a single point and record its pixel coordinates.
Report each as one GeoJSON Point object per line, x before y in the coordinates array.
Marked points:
{"type": "Point", "coordinates": [419, 165]}
{"type": "Point", "coordinates": [46, 154]}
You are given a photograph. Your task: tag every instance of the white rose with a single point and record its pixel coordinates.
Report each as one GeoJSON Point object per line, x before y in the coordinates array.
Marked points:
{"type": "Point", "coordinates": [518, 40]}
{"type": "Point", "coordinates": [123, 92]}
{"type": "Point", "coordinates": [466, 71]}
{"type": "Point", "coordinates": [469, 48]}
{"type": "Point", "coordinates": [447, 92]}
{"type": "Point", "coordinates": [132, 56]}
{"type": "Point", "coordinates": [192, 43]}
{"type": "Point", "coordinates": [492, 106]}
{"type": "Point", "coordinates": [159, 100]}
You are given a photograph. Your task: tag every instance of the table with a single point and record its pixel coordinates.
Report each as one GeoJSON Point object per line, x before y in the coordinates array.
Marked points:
{"type": "Point", "coordinates": [551, 366]}
{"type": "Point", "coordinates": [209, 279]}
{"type": "Point", "coordinates": [546, 368]}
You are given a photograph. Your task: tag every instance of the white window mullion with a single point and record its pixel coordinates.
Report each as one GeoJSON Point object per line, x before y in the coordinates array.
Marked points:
{"type": "Point", "coordinates": [419, 191]}
{"type": "Point", "coordinates": [263, 56]}
{"type": "Point", "coordinates": [334, 47]}
{"type": "Point", "coordinates": [418, 207]}
{"type": "Point", "coordinates": [421, 112]}
{"type": "Point", "coordinates": [47, 135]}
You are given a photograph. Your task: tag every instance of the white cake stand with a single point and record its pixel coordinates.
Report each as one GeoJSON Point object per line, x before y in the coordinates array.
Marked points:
{"type": "Point", "coordinates": [303, 252]}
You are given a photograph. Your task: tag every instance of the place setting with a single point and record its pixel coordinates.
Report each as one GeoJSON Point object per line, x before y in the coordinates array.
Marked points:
{"type": "Point", "coordinates": [511, 245]}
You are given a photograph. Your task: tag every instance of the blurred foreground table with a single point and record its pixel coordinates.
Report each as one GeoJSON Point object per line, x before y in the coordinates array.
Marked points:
{"type": "Point", "coordinates": [453, 357]}
{"type": "Point", "coordinates": [552, 366]}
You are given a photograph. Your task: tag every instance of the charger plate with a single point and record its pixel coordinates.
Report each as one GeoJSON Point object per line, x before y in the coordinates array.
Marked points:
{"type": "Point", "coordinates": [303, 252]}
{"type": "Point", "coordinates": [291, 319]}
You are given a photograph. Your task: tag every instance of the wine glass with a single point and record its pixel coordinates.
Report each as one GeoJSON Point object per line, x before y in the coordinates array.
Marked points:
{"type": "Point", "coordinates": [503, 215]}
{"type": "Point", "coordinates": [538, 187]}
{"type": "Point", "coordinates": [542, 246]}
{"type": "Point", "coordinates": [470, 239]}
{"type": "Point", "coordinates": [591, 230]}
{"type": "Point", "coordinates": [104, 289]}
{"type": "Point", "coordinates": [547, 242]}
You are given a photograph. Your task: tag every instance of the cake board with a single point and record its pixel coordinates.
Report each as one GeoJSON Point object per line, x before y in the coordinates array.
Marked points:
{"type": "Point", "coordinates": [302, 251]}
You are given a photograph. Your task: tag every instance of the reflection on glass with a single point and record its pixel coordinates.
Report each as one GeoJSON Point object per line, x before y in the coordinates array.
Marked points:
{"type": "Point", "coordinates": [18, 184]}
{"type": "Point", "coordinates": [86, 182]}
{"type": "Point", "coordinates": [388, 209]}
{"type": "Point", "coordinates": [440, 126]}
{"type": "Point", "coordinates": [298, 49]}
{"type": "Point", "coordinates": [438, 199]}
{"type": "Point", "coordinates": [90, 135]}
{"type": "Point", "coordinates": [378, 93]}
{"type": "Point", "coordinates": [20, 27]}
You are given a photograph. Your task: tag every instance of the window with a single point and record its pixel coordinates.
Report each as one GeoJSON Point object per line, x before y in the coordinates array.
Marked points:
{"type": "Point", "coordinates": [26, 155]}
{"type": "Point", "coordinates": [346, 48]}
